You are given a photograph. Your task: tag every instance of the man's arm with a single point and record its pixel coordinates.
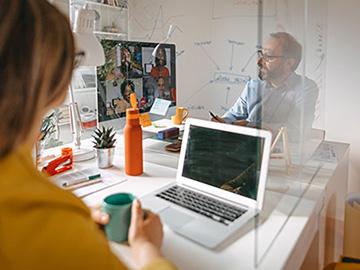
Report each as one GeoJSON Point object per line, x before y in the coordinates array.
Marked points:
{"type": "Point", "coordinates": [302, 115]}
{"type": "Point", "coordinates": [309, 103]}
{"type": "Point", "coordinates": [240, 123]}
{"type": "Point", "coordinates": [239, 111]}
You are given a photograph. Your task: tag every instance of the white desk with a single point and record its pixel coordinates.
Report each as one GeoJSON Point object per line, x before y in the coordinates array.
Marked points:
{"type": "Point", "coordinates": [292, 222]}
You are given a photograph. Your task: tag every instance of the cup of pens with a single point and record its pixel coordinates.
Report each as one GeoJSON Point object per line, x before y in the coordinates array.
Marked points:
{"type": "Point", "coordinates": [118, 207]}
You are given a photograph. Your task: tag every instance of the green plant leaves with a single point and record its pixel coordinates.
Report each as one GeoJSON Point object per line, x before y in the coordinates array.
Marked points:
{"type": "Point", "coordinates": [104, 138]}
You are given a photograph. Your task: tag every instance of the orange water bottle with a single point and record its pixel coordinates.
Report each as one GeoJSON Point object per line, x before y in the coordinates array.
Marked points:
{"type": "Point", "coordinates": [133, 143]}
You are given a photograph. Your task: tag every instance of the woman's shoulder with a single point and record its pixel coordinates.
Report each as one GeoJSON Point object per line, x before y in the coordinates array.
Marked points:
{"type": "Point", "coordinates": [40, 218]}
{"type": "Point", "coordinates": [23, 185]}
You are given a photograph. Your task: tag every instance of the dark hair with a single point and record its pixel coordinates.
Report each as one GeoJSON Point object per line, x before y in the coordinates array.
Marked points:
{"type": "Point", "coordinates": [36, 62]}
{"type": "Point", "coordinates": [291, 48]}
{"type": "Point", "coordinates": [166, 81]}
{"type": "Point", "coordinates": [125, 69]}
{"type": "Point", "coordinates": [126, 83]}
{"type": "Point", "coordinates": [157, 60]}
{"type": "Point", "coordinates": [125, 47]}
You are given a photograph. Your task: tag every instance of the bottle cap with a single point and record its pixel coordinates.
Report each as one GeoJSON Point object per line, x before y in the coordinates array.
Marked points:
{"type": "Point", "coordinates": [132, 113]}
{"type": "Point", "coordinates": [133, 101]}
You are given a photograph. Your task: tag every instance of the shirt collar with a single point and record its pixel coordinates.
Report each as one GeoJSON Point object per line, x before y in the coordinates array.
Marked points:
{"type": "Point", "coordinates": [287, 84]}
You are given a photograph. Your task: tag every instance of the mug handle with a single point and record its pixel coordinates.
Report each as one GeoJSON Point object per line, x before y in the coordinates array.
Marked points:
{"type": "Point", "coordinates": [186, 114]}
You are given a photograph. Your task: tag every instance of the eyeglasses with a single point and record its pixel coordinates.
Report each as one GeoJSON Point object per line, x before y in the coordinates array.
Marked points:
{"type": "Point", "coordinates": [79, 57]}
{"type": "Point", "coordinates": [268, 58]}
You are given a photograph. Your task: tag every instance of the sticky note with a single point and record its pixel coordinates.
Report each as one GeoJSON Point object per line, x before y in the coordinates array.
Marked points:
{"type": "Point", "coordinates": [145, 120]}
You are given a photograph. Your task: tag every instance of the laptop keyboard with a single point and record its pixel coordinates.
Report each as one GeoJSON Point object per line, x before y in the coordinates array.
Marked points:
{"type": "Point", "coordinates": [201, 204]}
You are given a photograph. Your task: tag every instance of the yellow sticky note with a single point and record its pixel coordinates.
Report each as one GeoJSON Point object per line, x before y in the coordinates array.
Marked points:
{"type": "Point", "coordinates": [145, 120]}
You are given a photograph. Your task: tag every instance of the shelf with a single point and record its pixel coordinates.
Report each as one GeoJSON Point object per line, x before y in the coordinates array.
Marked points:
{"type": "Point", "coordinates": [62, 1]}
{"type": "Point", "coordinates": [62, 5]}
{"type": "Point", "coordinates": [64, 123]}
{"type": "Point", "coordinates": [80, 90]}
{"type": "Point", "coordinates": [122, 4]}
{"type": "Point", "coordinates": [100, 33]}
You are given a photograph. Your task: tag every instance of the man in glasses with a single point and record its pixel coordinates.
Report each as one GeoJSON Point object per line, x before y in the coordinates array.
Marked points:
{"type": "Point", "coordinates": [281, 98]}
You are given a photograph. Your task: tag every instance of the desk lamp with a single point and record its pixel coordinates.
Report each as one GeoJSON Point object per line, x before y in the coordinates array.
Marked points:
{"type": "Point", "coordinates": [93, 55]}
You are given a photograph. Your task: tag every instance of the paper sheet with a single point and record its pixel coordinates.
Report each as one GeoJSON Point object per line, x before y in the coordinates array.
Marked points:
{"type": "Point", "coordinates": [325, 153]}
{"type": "Point", "coordinates": [160, 106]}
{"type": "Point", "coordinates": [108, 180]}
{"type": "Point", "coordinates": [161, 125]}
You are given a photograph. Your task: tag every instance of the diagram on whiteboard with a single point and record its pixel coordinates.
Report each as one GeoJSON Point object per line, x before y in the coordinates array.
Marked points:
{"type": "Point", "coordinates": [224, 80]}
{"type": "Point", "coordinates": [242, 8]}
{"type": "Point", "coordinates": [150, 21]}
{"type": "Point", "coordinates": [216, 43]}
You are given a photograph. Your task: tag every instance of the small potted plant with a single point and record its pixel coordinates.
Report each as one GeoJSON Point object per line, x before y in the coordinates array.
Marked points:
{"type": "Point", "coordinates": [46, 138]}
{"type": "Point", "coordinates": [104, 146]}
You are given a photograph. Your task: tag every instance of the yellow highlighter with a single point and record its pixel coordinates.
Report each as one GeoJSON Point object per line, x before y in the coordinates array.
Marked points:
{"type": "Point", "coordinates": [133, 101]}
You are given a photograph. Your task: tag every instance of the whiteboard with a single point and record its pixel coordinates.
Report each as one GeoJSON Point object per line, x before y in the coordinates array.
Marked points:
{"type": "Point", "coordinates": [216, 42]}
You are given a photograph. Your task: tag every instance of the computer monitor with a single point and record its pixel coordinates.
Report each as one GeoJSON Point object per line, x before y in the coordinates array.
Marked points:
{"type": "Point", "coordinates": [130, 67]}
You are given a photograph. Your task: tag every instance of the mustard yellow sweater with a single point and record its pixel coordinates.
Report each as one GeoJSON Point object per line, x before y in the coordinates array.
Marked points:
{"type": "Point", "coordinates": [45, 227]}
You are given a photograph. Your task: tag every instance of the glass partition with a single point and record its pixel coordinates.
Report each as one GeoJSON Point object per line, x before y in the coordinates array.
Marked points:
{"type": "Point", "coordinates": [295, 110]}
{"type": "Point", "coordinates": [253, 63]}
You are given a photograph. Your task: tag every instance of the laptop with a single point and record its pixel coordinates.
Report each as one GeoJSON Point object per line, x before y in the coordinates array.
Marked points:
{"type": "Point", "coordinates": [220, 182]}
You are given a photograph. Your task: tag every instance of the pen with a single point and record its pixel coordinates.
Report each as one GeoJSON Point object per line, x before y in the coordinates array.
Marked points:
{"type": "Point", "coordinates": [158, 126]}
{"type": "Point", "coordinates": [72, 180]}
{"type": "Point", "coordinates": [212, 115]}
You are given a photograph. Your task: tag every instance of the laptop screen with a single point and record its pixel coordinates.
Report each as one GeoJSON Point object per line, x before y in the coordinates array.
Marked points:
{"type": "Point", "coordinates": [223, 159]}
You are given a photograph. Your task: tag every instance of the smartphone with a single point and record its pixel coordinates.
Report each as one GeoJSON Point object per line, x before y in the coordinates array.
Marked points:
{"type": "Point", "coordinates": [212, 115]}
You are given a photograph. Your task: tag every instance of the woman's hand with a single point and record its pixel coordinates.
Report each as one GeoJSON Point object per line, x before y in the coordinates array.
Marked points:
{"type": "Point", "coordinates": [145, 235]}
{"type": "Point", "coordinates": [99, 216]}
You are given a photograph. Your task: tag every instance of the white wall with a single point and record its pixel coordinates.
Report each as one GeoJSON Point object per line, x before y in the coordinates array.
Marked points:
{"type": "Point", "coordinates": [342, 108]}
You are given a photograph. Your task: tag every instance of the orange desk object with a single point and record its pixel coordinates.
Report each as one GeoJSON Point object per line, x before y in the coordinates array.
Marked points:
{"type": "Point", "coordinates": [61, 163]}
{"type": "Point", "coordinates": [145, 120]}
{"type": "Point", "coordinates": [133, 143]}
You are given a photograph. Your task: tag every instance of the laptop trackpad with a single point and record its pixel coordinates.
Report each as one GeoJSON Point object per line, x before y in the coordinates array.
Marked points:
{"type": "Point", "coordinates": [174, 219]}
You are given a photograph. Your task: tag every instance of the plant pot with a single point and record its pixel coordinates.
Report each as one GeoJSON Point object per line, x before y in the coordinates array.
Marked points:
{"type": "Point", "coordinates": [105, 157]}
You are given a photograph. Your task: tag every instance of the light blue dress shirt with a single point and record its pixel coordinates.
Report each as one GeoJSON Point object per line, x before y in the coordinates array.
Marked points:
{"type": "Point", "coordinates": [291, 105]}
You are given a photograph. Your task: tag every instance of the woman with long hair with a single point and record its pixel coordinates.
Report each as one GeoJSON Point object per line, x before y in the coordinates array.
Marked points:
{"type": "Point", "coordinates": [41, 225]}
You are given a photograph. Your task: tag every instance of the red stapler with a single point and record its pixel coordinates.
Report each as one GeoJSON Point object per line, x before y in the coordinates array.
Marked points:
{"type": "Point", "coordinates": [60, 164]}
